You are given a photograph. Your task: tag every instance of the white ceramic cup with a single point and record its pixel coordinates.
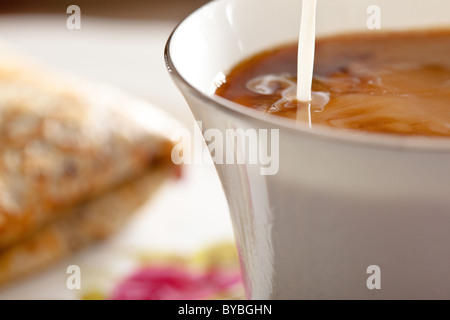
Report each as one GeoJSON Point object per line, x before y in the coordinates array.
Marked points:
{"type": "Point", "coordinates": [341, 201]}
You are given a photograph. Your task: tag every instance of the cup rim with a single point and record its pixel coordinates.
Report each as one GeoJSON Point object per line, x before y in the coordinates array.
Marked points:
{"type": "Point", "coordinates": [340, 135]}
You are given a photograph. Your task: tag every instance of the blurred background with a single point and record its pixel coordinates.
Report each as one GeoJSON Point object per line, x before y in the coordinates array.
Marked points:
{"type": "Point", "coordinates": [171, 10]}
{"type": "Point", "coordinates": [121, 43]}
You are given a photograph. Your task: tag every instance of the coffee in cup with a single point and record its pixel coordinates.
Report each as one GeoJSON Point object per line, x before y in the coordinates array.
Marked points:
{"type": "Point", "coordinates": [388, 82]}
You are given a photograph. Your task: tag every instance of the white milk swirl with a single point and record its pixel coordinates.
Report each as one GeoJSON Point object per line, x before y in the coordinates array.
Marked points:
{"type": "Point", "coordinates": [281, 85]}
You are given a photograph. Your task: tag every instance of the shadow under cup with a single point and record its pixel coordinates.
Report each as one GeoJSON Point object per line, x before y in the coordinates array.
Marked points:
{"type": "Point", "coordinates": [348, 215]}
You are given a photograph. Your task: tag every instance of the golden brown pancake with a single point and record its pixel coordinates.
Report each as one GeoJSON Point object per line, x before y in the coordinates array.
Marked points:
{"type": "Point", "coordinates": [76, 157]}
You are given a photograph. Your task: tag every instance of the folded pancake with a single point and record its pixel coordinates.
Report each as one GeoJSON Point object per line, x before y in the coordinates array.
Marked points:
{"type": "Point", "coordinates": [65, 141]}
{"type": "Point", "coordinates": [78, 227]}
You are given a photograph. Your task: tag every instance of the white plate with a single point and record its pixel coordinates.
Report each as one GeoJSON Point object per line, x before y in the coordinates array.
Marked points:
{"type": "Point", "coordinates": [185, 215]}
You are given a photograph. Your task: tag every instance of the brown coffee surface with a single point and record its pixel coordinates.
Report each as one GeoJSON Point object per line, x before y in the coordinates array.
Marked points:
{"type": "Point", "coordinates": [396, 83]}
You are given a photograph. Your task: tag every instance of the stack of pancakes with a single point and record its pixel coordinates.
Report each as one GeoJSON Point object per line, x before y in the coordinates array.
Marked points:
{"type": "Point", "coordinates": [77, 158]}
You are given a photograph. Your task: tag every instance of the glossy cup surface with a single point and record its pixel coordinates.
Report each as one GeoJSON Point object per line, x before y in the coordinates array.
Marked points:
{"type": "Point", "coordinates": [341, 201]}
